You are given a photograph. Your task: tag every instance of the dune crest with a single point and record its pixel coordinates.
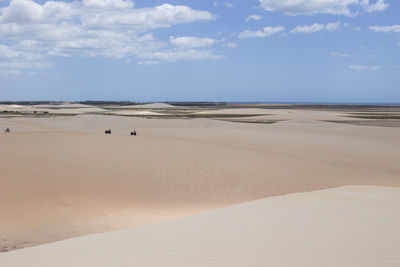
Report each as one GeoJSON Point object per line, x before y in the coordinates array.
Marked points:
{"type": "Point", "coordinates": [346, 226]}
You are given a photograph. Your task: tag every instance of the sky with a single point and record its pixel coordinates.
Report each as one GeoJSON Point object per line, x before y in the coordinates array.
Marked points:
{"type": "Point", "coordinates": [204, 50]}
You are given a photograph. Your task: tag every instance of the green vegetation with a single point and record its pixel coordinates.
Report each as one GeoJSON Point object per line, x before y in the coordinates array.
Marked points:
{"type": "Point", "coordinates": [255, 121]}
{"type": "Point", "coordinates": [186, 116]}
{"type": "Point", "coordinates": [215, 116]}
{"type": "Point", "coordinates": [374, 116]}
{"type": "Point", "coordinates": [39, 114]}
{"type": "Point", "coordinates": [381, 123]}
{"type": "Point", "coordinates": [108, 103]}
{"type": "Point", "coordinates": [29, 103]}
{"type": "Point", "coordinates": [197, 104]}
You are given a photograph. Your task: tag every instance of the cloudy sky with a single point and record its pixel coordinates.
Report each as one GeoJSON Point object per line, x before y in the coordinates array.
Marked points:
{"type": "Point", "coordinates": [233, 50]}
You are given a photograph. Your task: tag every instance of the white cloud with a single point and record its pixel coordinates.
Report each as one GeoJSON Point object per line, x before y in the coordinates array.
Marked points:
{"type": "Point", "coordinates": [253, 17]}
{"type": "Point", "coordinates": [191, 42]}
{"type": "Point", "coordinates": [230, 4]}
{"type": "Point", "coordinates": [365, 67]}
{"type": "Point", "coordinates": [13, 72]}
{"type": "Point", "coordinates": [398, 44]}
{"type": "Point", "coordinates": [162, 16]}
{"type": "Point", "coordinates": [342, 55]}
{"type": "Point", "coordinates": [267, 31]}
{"type": "Point", "coordinates": [316, 27]}
{"type": "Point", "coordinates": [108, 4]}
{"type": "Point", "coordinates": [14, 60]}
{"type": "Point", "coordinates": [88, 28]}
{"type": "Point", "coordinates": [148, 62]}
{"type": "Point", "coordinates": [385, 29]}
{"type": "Point", "coordinates": [172, 55]}
{"type": "Point", "coordinates": [27, 11]}
{"type": "Point", "coordinates": [380, 5]}
{"type": "Point", "coordinates": [333, 7]}
{"type": "Point", "coordinates": [231, 45]}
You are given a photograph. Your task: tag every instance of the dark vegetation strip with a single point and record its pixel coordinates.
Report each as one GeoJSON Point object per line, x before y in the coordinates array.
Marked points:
{"type": "Point", "coordinates": [254, 121]}
{"type": "Point", "coordinates": [187, 116]}
{"type": "Point", "coordinates": [45, 114]}
{"type": "Point", "coordinates": [381, 123]}
{"type": "Point", "coordinates": [375, 117]}
{"type": "Point", "coordinates": [375, 113]}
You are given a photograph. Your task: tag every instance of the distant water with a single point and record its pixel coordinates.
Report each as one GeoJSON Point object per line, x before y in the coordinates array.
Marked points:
{"type": "Point", "coordinates": [318, 103]}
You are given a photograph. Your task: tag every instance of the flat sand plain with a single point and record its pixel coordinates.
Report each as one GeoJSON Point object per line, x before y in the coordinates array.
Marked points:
{"type": "Point", "coordinates": [62, 177]}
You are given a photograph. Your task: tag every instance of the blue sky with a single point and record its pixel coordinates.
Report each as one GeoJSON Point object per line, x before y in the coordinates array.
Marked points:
{"type": "Point", "coordinates": [253, 50]}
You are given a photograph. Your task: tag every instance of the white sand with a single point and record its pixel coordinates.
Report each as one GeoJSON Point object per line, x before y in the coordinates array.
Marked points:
{"type": "Point", "coordinates": [246, 111]}
{"type": "Point", "coordinates": [346, 226]}
{"type": "Point", "coordinates": [148, 106]}
{"type": "Point", "coordinates": [64, 105]}
{"type": "Point", "coordinates": [283, 114]}
{"type": "Point", "coordinates": [55, 109]}
{"type": "Point", "coordinates": [5, 107]}
{"type": "Point", "coordinates": [138, 113]}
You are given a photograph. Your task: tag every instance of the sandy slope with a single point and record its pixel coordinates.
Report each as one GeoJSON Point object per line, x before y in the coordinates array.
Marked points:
{"type": "Point", "coordinates": [246, 111]}
{"type": "Point", "coordinates": [282, 114]}
{"type": "Point", "coordinates": [148, 106]}
{"type": "Point", "coordinates": [62, 177]}
{"type": "Point", "coordinates": [54, 109]}
{"type": "Point", "coordinates": [346, 226]}
{"type": "Point", "coordinates": [137, 113]}
{"type": "Point", "coordinates": [65, 105]}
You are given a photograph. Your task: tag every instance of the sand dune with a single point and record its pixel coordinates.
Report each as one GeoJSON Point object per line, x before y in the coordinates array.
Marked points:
{"type": "Point", "coordinates": [249, 111]}
{"type": "Point", "coordinates": [346, 226]}
{"type": "Point", "coordinates": [54, 109]}
{"type": "Point", "coordinates": [5, 107]}
{"type": "Point", "coordinates": [82, 110]}
{"type": "Point", "coordinates": [147, 106]}
{"type": "Point", "coordinates": [61, 177]}
{"type": "Point", "coordinates": [65, 105]}
{"type": "Point", "coordinates": [137, 113]}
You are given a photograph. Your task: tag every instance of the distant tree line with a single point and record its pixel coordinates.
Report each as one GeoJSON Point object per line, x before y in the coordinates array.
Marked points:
{"type": "Point", "coordinates": [29, 103]}
{"type": "Point", "coordinates": [197, 104]}
{"type": "Point", "coordinates": [104, 103]}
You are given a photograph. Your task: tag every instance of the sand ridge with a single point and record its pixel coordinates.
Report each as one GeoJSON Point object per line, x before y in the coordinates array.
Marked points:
{"type": "Point", "coordinates": [345, 226]}
{"type": "Point", "coordinates": [148, 106]}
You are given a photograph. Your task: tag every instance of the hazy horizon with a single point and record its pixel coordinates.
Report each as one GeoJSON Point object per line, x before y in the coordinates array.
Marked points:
{"type": "Point", "coordinates": [199, 101]}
